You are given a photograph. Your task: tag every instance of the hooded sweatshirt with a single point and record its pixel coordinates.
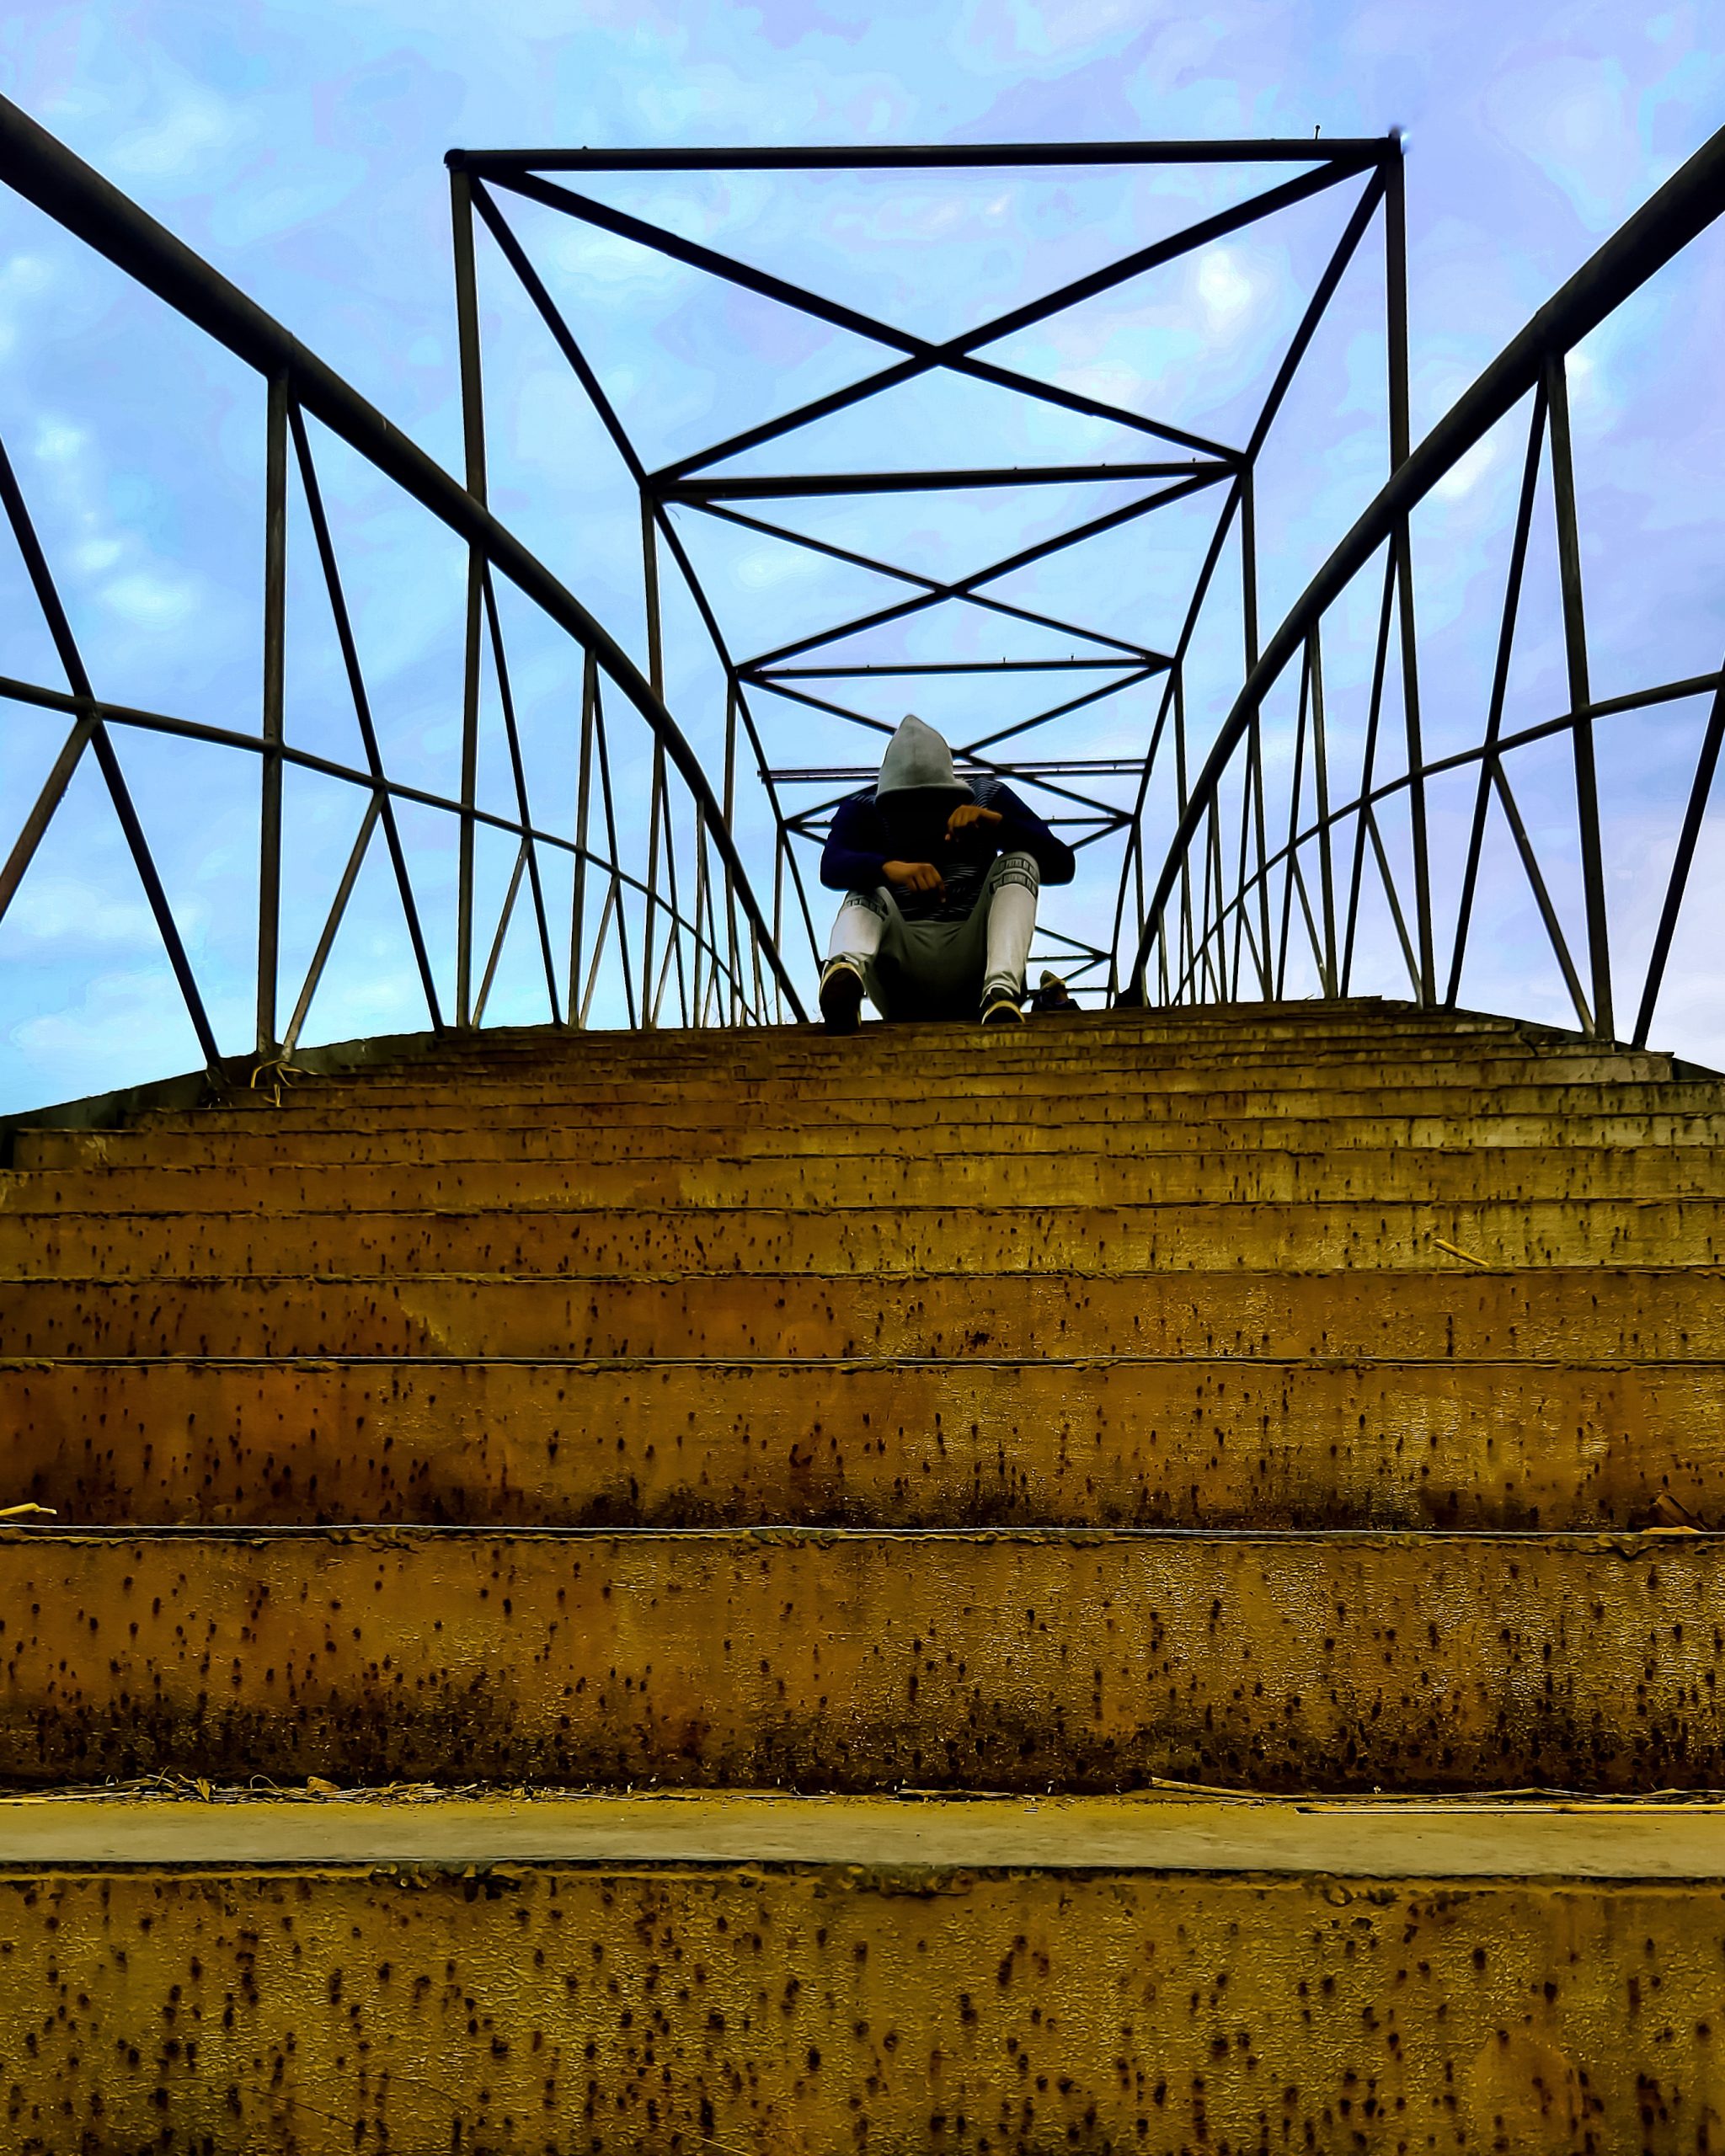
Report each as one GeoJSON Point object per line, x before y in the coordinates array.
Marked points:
{"type": "Point", "coordinates": [903, 817]}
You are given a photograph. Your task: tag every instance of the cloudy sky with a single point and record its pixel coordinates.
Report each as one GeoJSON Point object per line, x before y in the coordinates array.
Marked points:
{"type": "Point", "coordinates": [299, 148]}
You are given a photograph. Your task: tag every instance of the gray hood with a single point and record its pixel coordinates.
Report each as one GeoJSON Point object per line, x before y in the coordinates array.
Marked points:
{"type": "Point", "coordinates": [917, 761]}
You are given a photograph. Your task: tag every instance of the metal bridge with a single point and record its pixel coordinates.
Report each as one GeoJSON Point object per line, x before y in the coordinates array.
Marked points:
{"type": "Point", "coordinates": [1252, 846]}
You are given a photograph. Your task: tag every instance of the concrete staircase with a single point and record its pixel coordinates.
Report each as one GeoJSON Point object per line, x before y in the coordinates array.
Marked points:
{"type": "Point", "coordinates": [1129, 1585]}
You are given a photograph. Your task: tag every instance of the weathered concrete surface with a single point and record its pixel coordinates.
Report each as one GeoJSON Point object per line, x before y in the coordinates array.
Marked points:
{"type": "Point", "coordinates": [1630, 1843]}
{"type": "Point", "coordinates": [1015, 1659]}
{"type": "Point", "coordinates": [1304, 1267]}
{"type": "Point", "coordinates": [815, 1237]}
{"type": "Point", "coordinates": [666, 2010]}
{"type": "Point", "coordinates": [1104, 1168]}
{"type": "Point", "coordinates": [541, 1302]}
{"type": "Point", "coordinates": [1229, 1441]}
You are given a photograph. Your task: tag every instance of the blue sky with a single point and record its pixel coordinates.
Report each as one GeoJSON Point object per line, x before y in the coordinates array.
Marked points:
{"type": "Point", "coordinates": [299, 148]}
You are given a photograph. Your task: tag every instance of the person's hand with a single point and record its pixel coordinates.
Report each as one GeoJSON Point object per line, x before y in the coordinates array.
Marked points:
{"type": "Point", "coordinates": [914, 876]}
{"type": "Point", "coordinates": [967, 813]}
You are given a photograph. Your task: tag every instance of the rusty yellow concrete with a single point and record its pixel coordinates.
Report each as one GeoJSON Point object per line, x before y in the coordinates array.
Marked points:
{"type": "Point", "coordinates": [538, 1285]}
{"type": "Point", "coordinates": [630, 1129]}
{"type": "Point", "coordinates": [661, 2010]}
{"type": "Point", "coordinates": [1226, 1441]}
{"type": "Point", "coordinates": [658, 1232]}
{"type": "Point", "coordinates": [1101, 1167]}
{"type": "Point", "coordinates": [1162, 1832]}
{"type": "Point", "coordinates": [1009, 1659]}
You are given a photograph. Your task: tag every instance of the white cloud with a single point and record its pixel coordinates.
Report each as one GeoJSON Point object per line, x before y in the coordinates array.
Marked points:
{"type": "Point", "coordinates": [1224, 287]}
{"type": "Point", "coordinates": [152, 599]}
{"type": "Point", "coordinates": [61, 909]}
{"type": "Point", "coordinates": [192, 128]}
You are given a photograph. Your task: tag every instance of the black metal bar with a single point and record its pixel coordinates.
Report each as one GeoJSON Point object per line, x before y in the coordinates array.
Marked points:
{"type": "Point", "coordinates": [1356, 230]}
{"type": "Point", "coordinates": [45, 171]}
{"type": "Point", "coordinates": [1586, 792]}
{"type": "Point", "coordinates": [1248, 567]}
{"type": "Point", "coordinates": [496, 952]}
{"type": "Point", "coordinates": [1687, 839]}
{"type": "Point", "coordinates": [1500, 685]}
{"type": "Point", "coordinates": [584, 794]}
{"type": "Point", "coordinates": [1379, 665]}
{"type": "Point", "coordinates": [41, 814]}
{"type": "Point", "coordinates": [467, 310]}
{"type": "Point", "coordinates": [332, 921]}
{"type": "Point", "coordinates": [518, 768]}
{"type": "Point", "coordinates": [36, 562]}
{"type": "Point", "coordinates": [926, 584]}
{"type": "Point", "coordinates": [562, 335]}
{"type": "Point", "coordinates": [1321, 777]}
{"type": "Point", "coordinates": [696, 492]}
{"type": "Point", "coordinates": [362, 706]}
{"type": "Point", "coordinates": [1684, 206]}
{"type": "Point", "coordinates": [1294, 793]}
{"type": "Point", "coordinates": [768, 674]}
{"type": "Point", "coordinates": [622, 919]}
{"type": "Point", "coordinates": [274, 675]}
{"type": "Point", "coordinates": [1127, 514]}
{"type": "Point", "coordinates": [1543, 897]}
{"type": "Point", "coordinates": [945, 157]}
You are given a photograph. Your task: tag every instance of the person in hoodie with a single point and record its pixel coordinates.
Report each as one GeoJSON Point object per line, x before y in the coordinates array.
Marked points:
{"type": "Point", "coordinates": [940, 877]}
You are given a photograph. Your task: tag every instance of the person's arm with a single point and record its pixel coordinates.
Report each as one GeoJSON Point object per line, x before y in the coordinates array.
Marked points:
{"type": "Point", "coordinates": [1016, 828]}
{"type": "Point", "coordinates": [853, 858]}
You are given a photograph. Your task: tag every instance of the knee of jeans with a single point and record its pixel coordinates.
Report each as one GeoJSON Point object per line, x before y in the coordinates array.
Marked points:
{"type": "Point", "coordinates": [870, 901]}
{"type": "Point", "coordinates": [1019, 868]}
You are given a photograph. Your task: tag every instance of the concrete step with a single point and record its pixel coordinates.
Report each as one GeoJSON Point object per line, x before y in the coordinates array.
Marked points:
{"type": "Point", "coordinates": [1006, 1659]}
{"type": "Point", "coordinates": [750, 1972]}
{"type": "Point", "coordinates": [1444, 1311]}
{"type": "Point", "coordinates": [1104, 1165]}
{"type": "Point", "coordinates": [720, 1102]}
{"type": "Point", "coordinates": [1069, 1033]}
{"type": "Point", "coordinates": [1043, 1065]}
{"type": "Point", "coordinates": [1177, 1441]}
{"type": "Point", "coordinates": [525, 1130]}
{"type": "Point", "coordinates": [541, 1236]}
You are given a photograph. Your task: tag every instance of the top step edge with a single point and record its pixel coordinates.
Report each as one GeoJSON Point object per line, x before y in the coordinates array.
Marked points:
{"type": "Point", "coordinates": [1548, 1838]}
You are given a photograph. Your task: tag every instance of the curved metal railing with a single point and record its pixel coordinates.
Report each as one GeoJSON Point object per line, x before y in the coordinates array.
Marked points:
{"type": "Point", "coordinates": [1242, 875]}
{"type": "Point", "coordinates": [703, 947]}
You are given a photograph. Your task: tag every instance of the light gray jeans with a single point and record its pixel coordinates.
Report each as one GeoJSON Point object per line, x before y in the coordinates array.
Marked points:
{"type": "Point", "coordinates": [941, 969]}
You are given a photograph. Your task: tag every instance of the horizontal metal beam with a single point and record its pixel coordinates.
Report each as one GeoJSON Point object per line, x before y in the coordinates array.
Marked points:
{"type": "Point", "coordinates": [1358, 151]}
{"type": "Point", "coordinates": [794, 489]}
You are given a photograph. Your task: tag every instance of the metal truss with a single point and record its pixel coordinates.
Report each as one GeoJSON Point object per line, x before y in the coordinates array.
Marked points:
{"type": "Point", "coordinates": [1246, 876]}
{"type": "Point", "coordinates": [804, 674]}
{"type": "Point", "coordinates": [705, 950]}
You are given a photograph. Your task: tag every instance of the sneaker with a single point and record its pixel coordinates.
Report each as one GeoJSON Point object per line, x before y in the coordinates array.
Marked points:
{"type": "Point", "coordinates": [999, 1008]}
{"type": "Point", "coordinates": [841, 996]}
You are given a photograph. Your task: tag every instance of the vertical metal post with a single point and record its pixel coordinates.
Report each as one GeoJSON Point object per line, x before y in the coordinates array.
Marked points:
{"type": "Point", "coordinates": [583, 796]}
{"type": "Point", "coordinates": [1293, 793]}
{"type": "Point", "coordinates": [730, 880]}
{"type": "Point", "coordinates": [466, 303]}
{"type": "Point", "coordinates": [1252, 808]}
{"type": "Point", "coordinates": [655, 676]}
{"type": "Point", "coordinates": [1401, 447]}
{"type": "Point", "coordinates": [275, 668]}
{"type": "Point", "coordinates": [1500, 685]}
{"type": "Point", "coordinates": [1321, 773]}
{"type": "Point", "coordinates": [1581, 733]}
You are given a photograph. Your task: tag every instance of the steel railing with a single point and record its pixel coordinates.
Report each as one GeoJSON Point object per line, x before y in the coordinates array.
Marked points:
{"type": "Point", "coordinates": [702, 946]}
{"type": "Point", "coordinates": [1245, 874]}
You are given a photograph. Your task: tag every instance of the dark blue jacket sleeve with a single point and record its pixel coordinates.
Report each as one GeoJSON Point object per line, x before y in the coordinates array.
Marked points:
{"type": "Point", "coordinates": [1023, 831]}
{"type": "Point", "coordinates": [854, 858]}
